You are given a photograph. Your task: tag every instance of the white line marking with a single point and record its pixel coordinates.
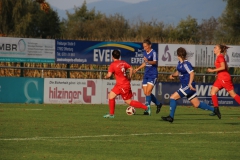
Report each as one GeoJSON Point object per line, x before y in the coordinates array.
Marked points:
{"type": "Point", "coordinates": [114, 135]}
{"type": "Point", "coordinates": [37, 109]}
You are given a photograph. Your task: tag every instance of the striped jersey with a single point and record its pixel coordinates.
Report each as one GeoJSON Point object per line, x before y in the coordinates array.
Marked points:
{"type": "Point", "coordinates": [184, 69]}
{"type": "Point", "coordinates": [151, 70]}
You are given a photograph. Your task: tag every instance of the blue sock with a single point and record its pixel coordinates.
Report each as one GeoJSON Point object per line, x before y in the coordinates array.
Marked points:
{"type": "Point", "coordinates": [204, 106]}
{"type": "Point", "coordinates": [148, 100]}
{"type": "Point", "coordinates": [154, 99]}
{"type": "Point", "coordinates": [173, 106]}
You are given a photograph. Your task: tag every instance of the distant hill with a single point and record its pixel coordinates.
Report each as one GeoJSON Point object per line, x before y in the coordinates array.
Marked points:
{"type": "Point", "coordinates": [169, 12]}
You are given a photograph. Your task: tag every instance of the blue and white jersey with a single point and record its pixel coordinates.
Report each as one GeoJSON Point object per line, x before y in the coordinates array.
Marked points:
{"type": "Point", "coordinates": [151, 70]}
{"type": "Point", "coordinates": [184, 69]}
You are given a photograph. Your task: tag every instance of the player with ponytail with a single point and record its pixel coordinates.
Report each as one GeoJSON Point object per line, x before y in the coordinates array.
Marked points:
{"type": "Point", "coordinates": [223, 77]}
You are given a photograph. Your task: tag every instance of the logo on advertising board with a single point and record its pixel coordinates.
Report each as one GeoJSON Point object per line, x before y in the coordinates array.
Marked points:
{"type": "Point", "coordinates": [57, 94]}
{"type": "Point", "coordinates": [190, 55]}
{"type": "Point", "coordinates": [166, 56]}
{"type": "Point", "coordinates": [27, 50]}
{"type": "Point", "coordinates": [8, 46]}
{"type": "Point", "coordinates": [136, 87]}
{"type": "Point", "coordinates": [102, 52]}
{"type": "Point", "coordinates": [169, 56]}
{"type": "Point", "coordinates": [34, 85]}
{"type": "Point", "coordinates": [71, 91]}
{"type": "Point", "coordinates": [91, 52]}
{"type": "Point", "coordinates": [88, 98]}
{"type": "Point", "coordinates": [21, 90]}
{"type": "Point", "coordinates": [137, 91]}
{"type": "Point", "coordinates": [235, 57]}
{"type": "Point", "coordinates": [141, 97]}
{"type": "Point", "coordinates": [21, 45]}
{"type": "Point", "coordinates": [124, 45]}
{"type": "Point", "coordinates": [165, 89]}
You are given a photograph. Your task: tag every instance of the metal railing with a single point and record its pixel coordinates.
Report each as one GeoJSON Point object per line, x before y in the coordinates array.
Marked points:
{"type": "Point", "coordinates": [95, 70]}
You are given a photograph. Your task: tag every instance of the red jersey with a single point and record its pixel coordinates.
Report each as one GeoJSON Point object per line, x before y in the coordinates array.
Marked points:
{"type": "Point", "coordinates": [118, 68]}
{"type": "Point", "coordinates": [223, 75]}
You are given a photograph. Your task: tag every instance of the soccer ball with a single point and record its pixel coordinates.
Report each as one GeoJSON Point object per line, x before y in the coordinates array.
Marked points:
{"type": "Point", "coordinates": [130, 110]}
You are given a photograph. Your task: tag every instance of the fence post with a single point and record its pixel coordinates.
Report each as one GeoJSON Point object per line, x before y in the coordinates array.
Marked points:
{"type": "Point", "coordinates": [22, 70]}
{"type": "Point", "coordinates": [68, 71]}
{"type": "Point", "coordinates": [204, 78]}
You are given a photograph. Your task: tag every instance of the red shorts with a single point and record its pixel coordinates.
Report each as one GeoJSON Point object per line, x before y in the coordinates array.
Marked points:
{"type": "Point", "coordinates": [125, 92]}
{"type": "Point", "coordinates": [228, 85]}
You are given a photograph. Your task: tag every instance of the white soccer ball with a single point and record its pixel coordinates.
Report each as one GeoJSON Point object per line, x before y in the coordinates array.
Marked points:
{"type": "Point", "coordinates": [130, 110]}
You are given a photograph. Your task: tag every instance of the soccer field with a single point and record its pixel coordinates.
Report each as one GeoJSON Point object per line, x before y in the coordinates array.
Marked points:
{"type": "Point", "coordinates": [79, 132]}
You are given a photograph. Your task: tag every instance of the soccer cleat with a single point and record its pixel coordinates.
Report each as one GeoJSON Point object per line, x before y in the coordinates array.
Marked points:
{"type": "Point", "coordinates": [212, 114]}
{"type": "Point", "coordinates": [108, 116]}
{"type": "Point", "coordinates": [217, 112]}
{"type": "Point", "coordinates": [168, 118]}
{"type": "Point", "coordinates": [145, 113]}
{"type": "Point", "coordinates": [149, 110]}
{"type": "Point", "coordinates": [159, 108]}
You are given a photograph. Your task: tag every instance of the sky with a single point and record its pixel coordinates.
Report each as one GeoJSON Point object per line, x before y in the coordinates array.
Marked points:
{"type": "Point", "coordinates": [68, 4]}
{"type": "Point", "coordinates": [161, 10]}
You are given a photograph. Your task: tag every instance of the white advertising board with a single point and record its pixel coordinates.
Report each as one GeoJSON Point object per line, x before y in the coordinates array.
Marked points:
{"type": "Point", "coordinates": [136, 86]}
{"type": "Point", "coordinates": [72, 91]}
{"type": "Point", "coordinates": [233, 53]}
{"type": "Point", "coordinates": [27, 50]}
{"type": "Point", "coordinates": [167, 54]}
{"type": "Point", "coordinates": [205, 56]}
{"type": "Point", "coordinates": [85, 91]}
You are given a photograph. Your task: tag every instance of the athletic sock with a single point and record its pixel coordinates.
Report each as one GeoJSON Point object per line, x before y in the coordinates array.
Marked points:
{"type": "Point", "coordinates": [111, 103]}
{"type": "Point", "coordinates": [237, 98]}
{"type": "Point", "coordinates": [215, 100]}
{"type": "Point", "coordinates": [137, 104]}
{"type": "Point", "coordinates": [154, 99]}
{"type": "Point", "coordinates": [148, 100]}
{"type": "Point", "coordinates": [173, 106]}
{"type": "Point", "coordinates": [204, 106]}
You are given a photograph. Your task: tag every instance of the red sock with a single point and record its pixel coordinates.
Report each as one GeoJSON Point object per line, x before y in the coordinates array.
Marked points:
{"type": "Point", "coordinates": [137, 104]}
{"type": "Point", "coordinates": [237, 98]}
{"type": "Point", "coordinates": [215, 100]}
{"type": "Point", "coordinates": [111, 103]}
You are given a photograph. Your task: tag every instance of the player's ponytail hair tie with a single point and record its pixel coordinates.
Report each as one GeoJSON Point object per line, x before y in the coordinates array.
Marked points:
{"type": "Point", "coordinates": [225, 47]}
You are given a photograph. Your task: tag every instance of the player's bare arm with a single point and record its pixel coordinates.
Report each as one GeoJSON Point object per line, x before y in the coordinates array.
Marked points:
{"type": "Point", "coordinates": [149, 62]}
{"type": "Point", "coordinates": [130, 73]}
{"type": "Point", "coordinates": [175, 74]}
{"type": "Point", "coordinates": [109, 74]}
{"type": "Point", "coordinates": [140, 67]}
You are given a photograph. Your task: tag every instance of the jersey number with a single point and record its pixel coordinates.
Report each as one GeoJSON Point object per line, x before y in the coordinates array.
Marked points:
{"type": "Point", "coordinates": [124, 72]}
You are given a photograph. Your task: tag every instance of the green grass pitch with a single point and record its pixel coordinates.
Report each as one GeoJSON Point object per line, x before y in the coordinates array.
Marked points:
{"type": "Point", "coordinates": [79, 132]}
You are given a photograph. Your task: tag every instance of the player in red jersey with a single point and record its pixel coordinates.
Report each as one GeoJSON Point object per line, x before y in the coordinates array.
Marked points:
{"type": "Point", "coordinates": [223, 77]}
{"type": "Point", "coordinates": [122, 87]}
